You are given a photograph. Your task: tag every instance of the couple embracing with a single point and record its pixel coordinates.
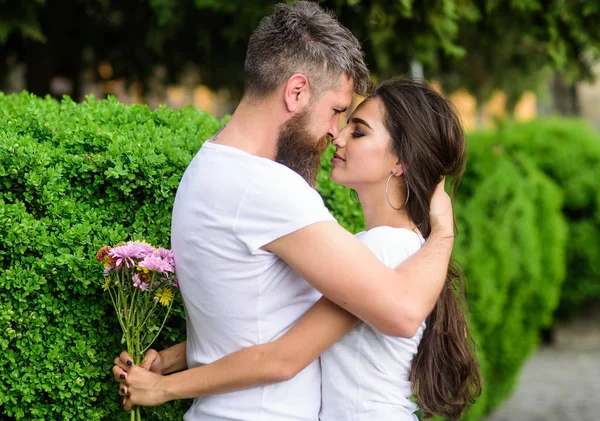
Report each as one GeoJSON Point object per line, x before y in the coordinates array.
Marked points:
{"type": "Point", "coordinates": [289, 316]}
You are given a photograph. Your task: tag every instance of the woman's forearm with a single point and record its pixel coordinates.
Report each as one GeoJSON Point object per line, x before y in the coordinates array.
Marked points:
{"type": "Point", "coordinates": [246, 368]}
{"type": "Point", "coordinates": [268, 363]}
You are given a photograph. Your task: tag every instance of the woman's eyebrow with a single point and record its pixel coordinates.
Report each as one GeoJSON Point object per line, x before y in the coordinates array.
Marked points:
{"type": "Point", "coordinates": [358, 121]}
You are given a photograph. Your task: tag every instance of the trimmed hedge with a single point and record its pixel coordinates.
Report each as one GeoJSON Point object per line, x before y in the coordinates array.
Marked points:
{"type": "Point", "coordinates": [568, 151]}
{"type": "Point", "coordinates": [511, 247]}
{"type": "Point", "coordinates": [74, 177]}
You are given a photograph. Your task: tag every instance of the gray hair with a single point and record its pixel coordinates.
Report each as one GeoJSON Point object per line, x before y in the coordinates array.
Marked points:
{"type": "Point", "coordinates": [303, 38]}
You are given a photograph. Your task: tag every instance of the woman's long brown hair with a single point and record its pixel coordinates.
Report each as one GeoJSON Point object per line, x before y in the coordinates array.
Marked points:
{"type": "Point", "coordinates": [428, 138]}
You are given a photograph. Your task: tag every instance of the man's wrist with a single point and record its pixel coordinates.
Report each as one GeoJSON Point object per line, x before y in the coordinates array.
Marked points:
{"type": "Point", "coordinates": [441, 232]}
{"type": "Point", "coordinates": [165, 362]}
{"type": "Point", "coordinates": [442, 240]}
{"type": "Point", "coordinates": [173, 359]}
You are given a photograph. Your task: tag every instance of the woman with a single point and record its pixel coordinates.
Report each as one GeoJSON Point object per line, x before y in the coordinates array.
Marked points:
{"type": "Point", "coordinates": [398, 144]}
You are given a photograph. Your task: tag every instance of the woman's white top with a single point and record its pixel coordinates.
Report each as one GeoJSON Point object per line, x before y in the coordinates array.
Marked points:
{"type": "Point", "coordinates": [366, 373]}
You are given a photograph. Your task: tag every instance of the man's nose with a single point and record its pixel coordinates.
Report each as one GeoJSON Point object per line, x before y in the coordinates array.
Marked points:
{"type": "Point", "coordinates": [334, 131]}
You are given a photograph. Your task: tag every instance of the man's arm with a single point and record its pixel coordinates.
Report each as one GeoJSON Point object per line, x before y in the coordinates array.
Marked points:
{"type": "Point", "coordinates": [169, 360]}
{"type": "Point", "coordinates": [342, 268]}
{"type": "Point", "coordinates": [174, 358]}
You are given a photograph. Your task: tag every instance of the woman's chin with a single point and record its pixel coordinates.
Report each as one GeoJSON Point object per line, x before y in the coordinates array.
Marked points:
{"type": "Point", "coordinates": [334, 176]}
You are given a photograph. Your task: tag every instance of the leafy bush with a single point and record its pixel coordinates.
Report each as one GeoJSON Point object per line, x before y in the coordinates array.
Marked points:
{"type": "Point", "coordinates": [568, 151]}
{"type": "Point", "coordinates": [74, 177]}
{"type": "Point", "coordinates": [511, 246]}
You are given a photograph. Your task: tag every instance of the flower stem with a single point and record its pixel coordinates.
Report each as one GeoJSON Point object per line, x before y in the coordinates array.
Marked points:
{"type": "Point", "coordinates": [161, 327]}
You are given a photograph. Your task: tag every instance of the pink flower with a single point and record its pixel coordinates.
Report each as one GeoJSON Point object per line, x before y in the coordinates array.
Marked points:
{"type": "Point", "coordinates": [126, 253]}
{"type": "Point", "coordinates": [156, 263]}
{"type": "Point", "coordinates": [167, 255]}
{"type": "Point", "coordinates": [138, 283]}
{"type": "Point", "coordinates": [145, 248]}
{"type": "Point", "coordinates": [107, 270]}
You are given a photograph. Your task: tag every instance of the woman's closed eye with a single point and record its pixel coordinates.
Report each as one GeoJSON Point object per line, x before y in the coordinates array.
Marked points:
{"type": "Point", "coordinates": [356, 135]}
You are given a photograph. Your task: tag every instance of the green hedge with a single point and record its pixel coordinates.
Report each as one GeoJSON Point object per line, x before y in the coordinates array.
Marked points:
{"type": "Point", "coordinates": [511, 246]}
{"type": "Point", "coordinates": [74, 177]}
{"type": "Point", "coordinates": [568, 151]}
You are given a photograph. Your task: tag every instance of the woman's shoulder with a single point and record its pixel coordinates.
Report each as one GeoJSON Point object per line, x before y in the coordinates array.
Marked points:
{"type": "Point", "coordinates": [391, 245]}
{"type": "Point", "coordinates": [385, 234]}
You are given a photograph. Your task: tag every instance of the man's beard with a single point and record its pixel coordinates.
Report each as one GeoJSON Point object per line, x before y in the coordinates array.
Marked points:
{"type": "Point", "coordinates": [298, 150]}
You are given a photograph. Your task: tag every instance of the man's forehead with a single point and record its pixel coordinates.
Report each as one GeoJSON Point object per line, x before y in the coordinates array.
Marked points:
{"type": "Point", "coordinates": [346, 85]}
{"type": "Point", "coordinates": [343, 91]}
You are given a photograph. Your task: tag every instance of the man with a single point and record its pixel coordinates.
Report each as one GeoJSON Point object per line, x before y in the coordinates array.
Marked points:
{"type": "Point", "coordinates": [254, 244]}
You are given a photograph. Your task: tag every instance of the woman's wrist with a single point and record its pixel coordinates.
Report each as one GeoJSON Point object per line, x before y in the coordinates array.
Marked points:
{"type": "Point", "coordinates": [166, 390]}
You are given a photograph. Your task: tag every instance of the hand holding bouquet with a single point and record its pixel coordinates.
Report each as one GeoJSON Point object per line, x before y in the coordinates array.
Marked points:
{"type": "Point", "coordinates": [141, 283]}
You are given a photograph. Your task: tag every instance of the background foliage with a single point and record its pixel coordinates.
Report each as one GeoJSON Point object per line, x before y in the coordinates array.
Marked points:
{"type": "Point", "coordinates": [482, 45]}
{"type": "Point", "coordinates": [74, 177]}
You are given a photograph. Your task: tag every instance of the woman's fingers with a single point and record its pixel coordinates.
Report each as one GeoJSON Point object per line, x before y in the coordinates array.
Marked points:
{"type": "Point", "coordinates": [119, 374]}
{"type": "Point", "coordinates": [119, 363]}
{"type": "Point", "coordinates": [126, 359]}
{"type": "Point", "coordinates": [123, 390]}
{"type": "Point", "coordinates": [127, 404]}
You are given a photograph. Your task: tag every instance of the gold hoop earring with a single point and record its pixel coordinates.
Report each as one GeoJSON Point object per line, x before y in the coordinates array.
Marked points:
{"type": "Point", "coordinates": [387, 196]}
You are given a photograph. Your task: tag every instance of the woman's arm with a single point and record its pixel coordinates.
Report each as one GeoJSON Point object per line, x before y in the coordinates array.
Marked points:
{"type": "Point", "coordinates": [280, 360]}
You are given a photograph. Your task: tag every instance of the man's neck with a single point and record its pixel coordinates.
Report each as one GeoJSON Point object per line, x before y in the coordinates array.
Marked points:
{"type": "Point", "coordinates": [253, 129]}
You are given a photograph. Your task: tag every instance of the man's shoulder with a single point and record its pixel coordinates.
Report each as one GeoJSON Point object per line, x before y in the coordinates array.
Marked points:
{"type": "Point", "coordinates": [252, 166]}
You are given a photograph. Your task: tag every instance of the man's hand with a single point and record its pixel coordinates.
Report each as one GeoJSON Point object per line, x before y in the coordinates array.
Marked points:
{"type": "Point", "coordinates": [442, 217]}
{"type": "Point", "coordinates": [140, 385]}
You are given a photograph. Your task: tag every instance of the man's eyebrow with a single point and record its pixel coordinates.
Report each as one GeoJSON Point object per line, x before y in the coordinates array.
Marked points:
{"type": "Point", "coordinates": [358, 121]}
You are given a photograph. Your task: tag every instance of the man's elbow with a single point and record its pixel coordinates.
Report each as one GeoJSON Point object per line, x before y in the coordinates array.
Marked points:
{"type": "Point", "coordinates": [402, 325]}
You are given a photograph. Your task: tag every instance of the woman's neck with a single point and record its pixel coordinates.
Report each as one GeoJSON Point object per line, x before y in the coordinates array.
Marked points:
{"type": "Point", "coordinates": [378, 212]}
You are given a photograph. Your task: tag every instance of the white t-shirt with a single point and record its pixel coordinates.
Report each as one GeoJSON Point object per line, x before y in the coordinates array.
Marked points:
{"type": "Point", "coordinates": [228, 205]}
{"type": "Point", "coordinates": [365, 375]}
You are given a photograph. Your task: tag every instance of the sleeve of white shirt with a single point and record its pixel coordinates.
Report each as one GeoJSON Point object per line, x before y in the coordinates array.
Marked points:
{"type": "Point", "coordinates": [391, 246]}
{"type": "Point", "coordinates": [276, 203]}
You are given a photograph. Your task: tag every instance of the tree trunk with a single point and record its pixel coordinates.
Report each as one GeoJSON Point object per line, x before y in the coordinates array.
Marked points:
{"type": "Point", "coordinates": [564, 96]}
{"type": "Point", "coordinates": [39, 71]}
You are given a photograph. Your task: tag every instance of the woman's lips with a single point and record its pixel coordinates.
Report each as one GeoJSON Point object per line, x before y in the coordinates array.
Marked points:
{"type": "Point", "coordinates": [337, 159]}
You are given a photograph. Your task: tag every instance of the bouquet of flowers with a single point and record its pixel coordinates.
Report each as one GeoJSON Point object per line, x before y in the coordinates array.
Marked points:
{"type": "Point", "coordinates": [141, 282]}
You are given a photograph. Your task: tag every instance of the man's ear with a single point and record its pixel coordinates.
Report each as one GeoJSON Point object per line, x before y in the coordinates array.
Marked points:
{"type": "Point", "coordinates": [296, 92]}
